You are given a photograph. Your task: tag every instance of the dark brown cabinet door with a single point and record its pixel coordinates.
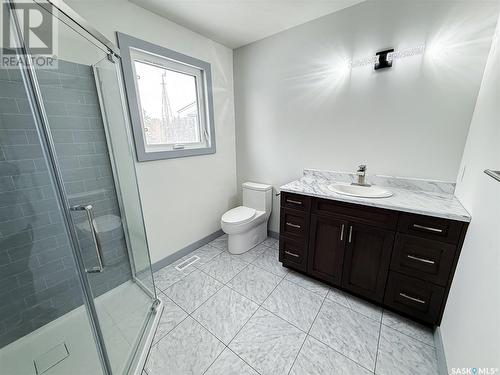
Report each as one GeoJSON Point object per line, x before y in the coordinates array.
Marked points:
{"type": "Point", "coordinates": [366, 260]}
{"type": "Point", "coordinates": [326, 248]}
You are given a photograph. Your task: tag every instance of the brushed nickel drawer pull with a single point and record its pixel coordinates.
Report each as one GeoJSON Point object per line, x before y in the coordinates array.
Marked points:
{"type": "Point", "coordinates": [292, 254]}
{"type": "Point", "coordinates": [293, 225]}
{"type": "Point", "coordinates": [342, 233]}
{"type": "Point", "coordinates": [429, 229]}
{"type": "Point", "coordinates": [420, 259]}
{"type": "Point", "coordinates": [350, 234]}
{"type": "Point", "coordinates": [404, 295]}
{"type": "Point", "coordinates": [294, 202]}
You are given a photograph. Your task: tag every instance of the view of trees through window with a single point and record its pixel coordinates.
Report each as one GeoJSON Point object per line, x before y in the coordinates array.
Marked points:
{"type": "Point", "coordinates": [169, 105]}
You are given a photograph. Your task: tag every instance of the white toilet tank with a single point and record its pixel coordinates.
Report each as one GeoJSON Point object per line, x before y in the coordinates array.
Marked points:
{"type": "Point", "coordinates": [258, 196]}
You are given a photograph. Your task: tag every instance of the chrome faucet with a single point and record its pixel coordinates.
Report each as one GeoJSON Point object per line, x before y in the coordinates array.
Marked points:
{"type": "Point", "coordinates": [361, 173]}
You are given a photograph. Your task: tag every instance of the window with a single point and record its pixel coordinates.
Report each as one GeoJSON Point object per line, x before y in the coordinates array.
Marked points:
{"type": "Point", "coordinates": [170, 101]}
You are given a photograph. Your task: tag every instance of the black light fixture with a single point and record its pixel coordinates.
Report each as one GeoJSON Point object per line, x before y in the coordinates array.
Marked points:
{"type": "Point", "coordinates": [383, 62]}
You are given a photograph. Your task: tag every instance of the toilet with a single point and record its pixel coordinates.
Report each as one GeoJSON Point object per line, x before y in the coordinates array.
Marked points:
{"type": "Point", "coordinates": [246, 225]}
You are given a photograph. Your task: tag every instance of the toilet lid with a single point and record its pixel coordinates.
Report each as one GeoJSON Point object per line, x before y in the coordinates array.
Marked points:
{"type": "Point", "coordinates": [239, 215]}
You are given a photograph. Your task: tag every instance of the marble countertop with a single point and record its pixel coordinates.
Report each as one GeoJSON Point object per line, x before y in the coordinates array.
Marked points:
{"type": "Point", "coordinates": [416, 201]}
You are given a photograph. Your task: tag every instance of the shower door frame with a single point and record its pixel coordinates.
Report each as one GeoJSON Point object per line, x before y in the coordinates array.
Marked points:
{"type": "Point", "coordinates": [33, 91]}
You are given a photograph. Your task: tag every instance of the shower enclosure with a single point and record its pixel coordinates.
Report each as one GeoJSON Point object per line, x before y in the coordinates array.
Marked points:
{"type": "Point", "coordinates": [76, 288]}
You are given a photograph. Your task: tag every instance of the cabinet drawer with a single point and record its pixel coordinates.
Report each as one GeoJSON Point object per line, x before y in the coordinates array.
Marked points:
{"type": "Point", "coordinates": [293, 253]}
{"type": "Point", "coordinates": [295, 201]}
{"type": "Point", "coordinates": [377, 217]}
{"type": "Point", "coordinates": [294, 224]}
{"type": "Point", "coordinates": [433, 228]}
{"type": "Point", "coordinates": [419, 299]}
{"type": "Point", "coordinates": [426, 259]}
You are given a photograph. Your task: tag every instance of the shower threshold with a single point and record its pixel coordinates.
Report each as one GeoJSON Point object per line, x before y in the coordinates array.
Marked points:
{"type": "Point", "coordinates": [122, 312]}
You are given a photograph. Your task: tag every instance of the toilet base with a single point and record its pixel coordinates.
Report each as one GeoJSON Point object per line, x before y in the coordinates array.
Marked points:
{"type": "Point", "coordinates": [241, 242]}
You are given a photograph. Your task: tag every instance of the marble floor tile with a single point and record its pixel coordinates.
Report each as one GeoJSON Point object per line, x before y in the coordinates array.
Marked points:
{"type": "Point", "coordinates": [349, 332]}
{"type": "Point", "coordinates": [187, 349]}
{"type": "Point", "coordinates": [193, 290]}
{"type": "Point", "coordinates": [169, 275]}
{"type": "Point", "coordinates": [220, 242]}
{"type": "Point", "coordinates": [268, 261]}
{"type": "Point", "coordinates": [254, 283]}
{"type": "Point", "coordinates": [308, 283]}
{"type": "Point", "coordinates": [224, 267]}
{"type": "Point", "coordinates": [268, 343]}
{"type": "Point", "coordinates": [315, 358]}
{"type": "Point", "coordinates": [364, 307]}
{"type": "Point", "coordinates": [225, 313]}
{"type": "Point", "coordinates": [403, 355]}
{"type": "Point", "coordinates": [170, 317]}
{"type": "Point", "coordinates": [408, 327]}
{"type": "Point", "coordinates": [206, 254]}
{"type": "Point", "coordinates": [357, 304]}
{"type": "Point", "coordinates": [271, 242]}
{"type": "Point", "coordinates": [252, 254]}
{"type": "Point", "coordinates": [338, 296]}
{"type": "Point", "coordinates": [229, 363]}
{"type": "Point", "coordinates": [294, 304]}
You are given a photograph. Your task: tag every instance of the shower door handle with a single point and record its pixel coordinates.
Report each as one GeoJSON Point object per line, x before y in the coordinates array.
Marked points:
{"type": "Point", "coordinates": [93, 231]}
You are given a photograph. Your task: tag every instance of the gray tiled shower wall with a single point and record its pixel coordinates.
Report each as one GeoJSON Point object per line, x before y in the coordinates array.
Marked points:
{"type": "Point", "coordinates": [38, 279]}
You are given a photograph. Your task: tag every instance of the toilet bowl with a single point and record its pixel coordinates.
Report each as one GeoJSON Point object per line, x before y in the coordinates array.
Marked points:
{"type": "Point", "coordinates": [246, 225]}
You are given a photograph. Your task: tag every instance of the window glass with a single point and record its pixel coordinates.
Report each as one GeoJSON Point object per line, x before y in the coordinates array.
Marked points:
{"type": "Point", "coordinates": [169, 105]}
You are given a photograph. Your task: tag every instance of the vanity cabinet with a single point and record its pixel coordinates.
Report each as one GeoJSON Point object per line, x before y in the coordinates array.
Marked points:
{"type": "Point", "coordinates": [402, 261]}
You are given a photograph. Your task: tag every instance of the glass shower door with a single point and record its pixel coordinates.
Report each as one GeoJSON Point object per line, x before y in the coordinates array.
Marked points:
{"type": "Point", "coordinates": [87, 127]}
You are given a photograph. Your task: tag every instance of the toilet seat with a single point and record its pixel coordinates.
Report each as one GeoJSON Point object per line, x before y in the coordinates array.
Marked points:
{"type": "Point", "coordinates": [239, 215]}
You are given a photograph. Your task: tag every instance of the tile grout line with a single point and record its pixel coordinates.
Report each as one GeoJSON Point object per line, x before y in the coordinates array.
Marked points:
{"type": "Point", "coordinates": [307, 333]}
{"type": "Point", "coordinates": [378, 342]}
{"type": "Point", "coordinates": [224, 284]}
{"type": "Point", "coordinates": [284, 277]}
{"type": "Point", "coordinates": [257, 309]}
{"type": "Point", "coordinates": [229, 287]}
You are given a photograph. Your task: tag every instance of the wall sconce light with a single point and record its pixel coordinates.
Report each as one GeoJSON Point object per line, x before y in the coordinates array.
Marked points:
{"type": "Point", "coordinates": [384, 59]}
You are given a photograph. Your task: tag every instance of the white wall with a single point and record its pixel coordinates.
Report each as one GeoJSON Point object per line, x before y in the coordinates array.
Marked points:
{"type": "Point", "coordinates": [471, 321]}
{"type": "Point", "coordinates": [298, 106]}
{"type": "Point", "coordinates": [183, 199]}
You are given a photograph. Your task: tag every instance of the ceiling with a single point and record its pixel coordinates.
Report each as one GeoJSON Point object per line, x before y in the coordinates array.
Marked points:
{"type": "Point", "coordinates": [235, 23]}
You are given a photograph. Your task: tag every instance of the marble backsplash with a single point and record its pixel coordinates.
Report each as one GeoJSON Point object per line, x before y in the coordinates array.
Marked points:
{"type": "Point", "coordinates": [387, 181]}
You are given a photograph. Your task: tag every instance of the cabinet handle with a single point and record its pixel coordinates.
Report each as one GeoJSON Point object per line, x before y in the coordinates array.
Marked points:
{"type": "Point", "coordinates": [293, 225]}
{"type": "Point", "coordinates": [423, 260]}
{"type": "Point", "coordinates": [404, 295]}
{"type": "Point", "coordinates": [342, 233]}
{"type": "Point", "coordinates": [294, 202]}
{"type": "Point", "coordinates": [350, 234]}
{"type": "Point", "coordinates": [292, 254]}
{"type": "Point", "coordinates": [429, 229]}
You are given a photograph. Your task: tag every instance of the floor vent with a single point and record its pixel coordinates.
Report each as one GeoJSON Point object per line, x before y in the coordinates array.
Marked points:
{"type": "Point", "coordinates": [51, 358]}
{"type": "Point", "coordinates": [189, 261]}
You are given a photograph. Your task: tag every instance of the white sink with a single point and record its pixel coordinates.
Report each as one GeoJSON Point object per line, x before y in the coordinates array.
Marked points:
{"type": "Point", "coordinates": [360, 191]}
